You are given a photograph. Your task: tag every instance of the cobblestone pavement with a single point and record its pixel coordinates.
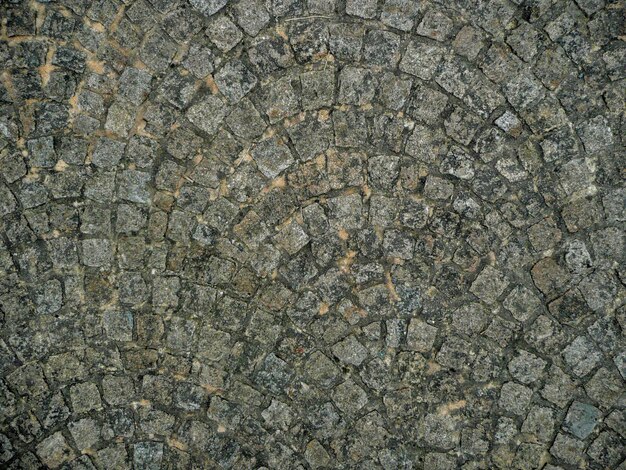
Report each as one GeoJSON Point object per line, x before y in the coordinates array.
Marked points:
{"type": "Point", "coordinates": [302, 234]}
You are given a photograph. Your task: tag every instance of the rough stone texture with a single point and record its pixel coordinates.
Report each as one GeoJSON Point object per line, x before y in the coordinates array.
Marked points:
{"type": "Point", "coordinates": [312, 234]}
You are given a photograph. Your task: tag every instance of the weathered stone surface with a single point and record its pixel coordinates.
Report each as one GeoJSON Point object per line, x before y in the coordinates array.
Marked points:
{"type": "Point", "coordinates": [235, 80]}
{"type": "Point", "coordinates": [581, 419]}
{"type": "Point", "coordinates": [312, 234]}
{"type": "Point", "coordinates": [350, 351]}
{"type": "Point", "coordinates": [272, 157]}
{"type": "Point", "coordinates": [489, 285]}
{"type": "Point", "coordinates": [526, 367]}
{"type": "Point", "coordinates": [420, 336]}
{"type": "Point", "coordinates": [207, 114]}
{"type": "Point", "coordinates": [54, 451]}
{"type": "Point", "coordinates": [515, 398]}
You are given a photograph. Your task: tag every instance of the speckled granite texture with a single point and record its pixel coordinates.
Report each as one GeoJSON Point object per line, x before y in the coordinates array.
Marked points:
{"type": "Point", "coordinates": [312, 234]}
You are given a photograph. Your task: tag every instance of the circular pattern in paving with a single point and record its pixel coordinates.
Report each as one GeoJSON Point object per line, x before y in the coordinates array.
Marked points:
{"type": "Point", "coordinates": [312, 234]}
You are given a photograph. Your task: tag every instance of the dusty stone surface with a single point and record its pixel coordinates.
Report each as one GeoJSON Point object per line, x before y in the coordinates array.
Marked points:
{"type": "Point", "coordinates": [305, 234]}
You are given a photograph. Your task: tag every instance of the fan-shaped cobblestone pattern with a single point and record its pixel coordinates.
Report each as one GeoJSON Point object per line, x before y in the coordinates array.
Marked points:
{"type": "Point", "coordinates": [312, 234]}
